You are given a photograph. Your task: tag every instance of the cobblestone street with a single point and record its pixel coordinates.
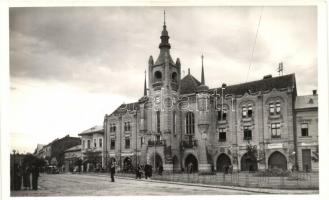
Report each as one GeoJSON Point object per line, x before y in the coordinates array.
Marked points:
{"type": "Point", "coordinates": [100, 185]}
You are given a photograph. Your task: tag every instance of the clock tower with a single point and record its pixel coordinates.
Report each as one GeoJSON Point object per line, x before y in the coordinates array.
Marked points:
{"type": "Point", "coordinates": [164, 85]}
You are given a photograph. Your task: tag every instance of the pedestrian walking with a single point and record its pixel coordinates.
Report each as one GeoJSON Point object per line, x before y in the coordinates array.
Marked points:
{"type": "Point", "coordinates": [26, 178]}
{"type": "Point", "coordinates": [112, 170]}
{"type": "Point", "coordinates": [160, 170]}
{"type": "Point", "coordinates": [35, 176]}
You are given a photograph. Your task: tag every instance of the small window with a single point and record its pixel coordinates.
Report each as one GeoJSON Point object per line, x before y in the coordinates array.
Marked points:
{"type": "Point", "coordinates": [249, 111]}
{"type": "Point", "coordinates": [158, 121]}
{"type": "Point", "coordinates": [95, 144]}
{"type": "Point", "coordinates": [100, 142]}
{"type": "Point", "coordinates": [127, 126]}
{"type": "Point", "coordinates": [88, 144]}
{"type": "Point", "coordinates": [247, 134]}
{"type": "Point", "coordinates": [276, 130]}
{"type": "Point", "coordinates": [127, 142]}
{"type": "Point", "coordinates": [278, 107]}
{"type": "Point", "coordinates": [222, 135]}
{"type": "Point", "coordinates": [142, 140]}
{"type": "Point", "coordinates": [83, 144]}
{"type": "Point", "coordinates": [174, 123]}
{"type": "Point", "coordinates": [190, 123]}
{"type": "Point", "coordinates": [222, 116]}
{"type": "Point", "coordinates": [304, 129]}
{"type": "Point", "coordinates": [112, 146]}
{"type": "Point", "coordinates": [272, 109]}
{"type": "Point", "coordinates": [174, 77]}
{"type": "Point", "coordinates": [158, 76]}
{"type": "Point", "coordinates": [244, 112]}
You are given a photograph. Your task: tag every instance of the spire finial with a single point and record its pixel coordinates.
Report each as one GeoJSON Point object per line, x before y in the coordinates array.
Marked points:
{"type": "Point", "coordinates": [202, 72]}
{"type": "Point", "coordinates": [164, 17]}
{"type": "Point", "coordinates": [145, 90]}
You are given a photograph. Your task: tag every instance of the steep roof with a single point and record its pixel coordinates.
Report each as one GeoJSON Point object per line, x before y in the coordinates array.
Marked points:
{"type": "Point", "coordinates": [123, 108]}
{"type": "Point", "coordinates": [267, 84]}
{"type": "Point", "coordinates": [75, 148]}
{"type": "Point", "coordinates": [189, 84]}
{"type": "Point", "coordinates": [307, 101]}
{"type": "Point", "coordinates": [93, 129]}
{"type": "Point", "coordinates": [162, 57]}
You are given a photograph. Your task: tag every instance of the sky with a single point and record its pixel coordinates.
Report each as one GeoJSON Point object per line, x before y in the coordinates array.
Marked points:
{"type": "Point", "coordinates": [69, 66]}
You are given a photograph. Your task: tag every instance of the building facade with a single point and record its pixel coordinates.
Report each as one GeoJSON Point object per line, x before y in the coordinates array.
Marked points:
{"type": "Point", "coordinates": [307, 132]}
{"type": "Point", "coordinates": [72, 157]}
{"type": "Point", "coordinates": [180, 122]}
{"type": "Point", "coordinates": [92, 148]}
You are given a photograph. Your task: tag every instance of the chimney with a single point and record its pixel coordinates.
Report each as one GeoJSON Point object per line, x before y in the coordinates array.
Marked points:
{"type": "Point", "coordinates": [267, 76]}
{"type": "Point", "coordinates": [314, 93]}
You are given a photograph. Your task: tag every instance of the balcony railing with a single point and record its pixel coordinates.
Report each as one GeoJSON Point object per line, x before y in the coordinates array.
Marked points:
{"type": "Point", "coordinates": [156, 143]}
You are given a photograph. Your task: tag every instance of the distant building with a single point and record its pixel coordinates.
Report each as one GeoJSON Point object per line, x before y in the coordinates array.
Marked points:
{"type": "Point", "coordinates": [92, 148]}
{"type": "Point", "coordinates": [179, 122]}
{"type": "Point", "coordinates": [53, 152]}
{"type": "Point", "coordinates": [71, 157]}
{"type": "Point", "coordinates": [306, 108]}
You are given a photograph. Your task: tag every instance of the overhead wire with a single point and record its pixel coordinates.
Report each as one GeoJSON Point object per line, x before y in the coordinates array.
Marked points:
{"type": "Point", "coordinates": [253, 48]}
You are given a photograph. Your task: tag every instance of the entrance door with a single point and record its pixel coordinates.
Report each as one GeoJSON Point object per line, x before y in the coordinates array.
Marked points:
{"type": "Point", "coordinates": [191, 164]}
{"type": "Point", "coordinates": [248, 162]}
{"type": "Point", "coordinates": [223, 163]}
{"type": "Point", "coordinates": [306, 160]}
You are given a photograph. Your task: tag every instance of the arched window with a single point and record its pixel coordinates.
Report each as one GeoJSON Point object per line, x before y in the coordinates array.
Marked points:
{"type": "Point", "coordinates": [190, 123]}
{"type": "Point", "coordinates": [174, 77]}
{"type": "Point", "coordinates": [158, 121]}
{"type": "Point", "coordinates": [158, 76]}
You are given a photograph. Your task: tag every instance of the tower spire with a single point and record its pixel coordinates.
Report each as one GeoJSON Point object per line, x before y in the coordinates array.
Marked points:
{"type": "Point", "coordinates": [202, 72]}
{"type": "Point", "coordinates": [164, 34]}
{"type": "Point", "coordinates": [145, 90]}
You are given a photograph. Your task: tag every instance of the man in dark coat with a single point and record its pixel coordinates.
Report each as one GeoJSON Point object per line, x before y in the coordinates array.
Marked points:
{"type": "Point", "coordinates": [148, 171]}
{"type": "Point", "coordinates": [35, 176]}
{"type": "Point", "coordinates": [26, 178]}
{"type": "Point", "coordinates": [112, 170]}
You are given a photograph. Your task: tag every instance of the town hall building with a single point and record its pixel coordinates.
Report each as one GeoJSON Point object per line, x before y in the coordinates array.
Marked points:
{"type": "Point", "coordinates": [180, 122]}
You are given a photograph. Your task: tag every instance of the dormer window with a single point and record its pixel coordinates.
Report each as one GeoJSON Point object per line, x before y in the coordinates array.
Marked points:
{"type": "Point", "coordinates": [158, 76]}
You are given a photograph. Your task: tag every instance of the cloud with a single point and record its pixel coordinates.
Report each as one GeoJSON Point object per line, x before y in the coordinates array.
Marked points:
{"type": "Point", "coordinates": [85, 61]}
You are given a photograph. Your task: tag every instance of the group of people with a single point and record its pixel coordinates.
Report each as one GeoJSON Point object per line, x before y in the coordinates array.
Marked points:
{"type": "Point", "coordinates": [146, 169]}
{"type": "Point", "coordinates": [22, 175]}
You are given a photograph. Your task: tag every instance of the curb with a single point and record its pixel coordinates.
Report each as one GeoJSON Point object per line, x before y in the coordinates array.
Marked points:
{"type": "Point", "coordinates": [257, 190]}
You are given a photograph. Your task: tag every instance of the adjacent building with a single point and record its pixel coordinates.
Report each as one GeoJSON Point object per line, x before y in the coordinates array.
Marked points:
{"type": "Point", "coordinates": [72, 158]}
{"type": "Point", "coordinates": [306, 109]}
{"type": "Point", "coordinates": [53, 152]}
{"type": "Point", "coordinates": [180, 122]}
{"type": "Point", "coordinates": [92, 148]}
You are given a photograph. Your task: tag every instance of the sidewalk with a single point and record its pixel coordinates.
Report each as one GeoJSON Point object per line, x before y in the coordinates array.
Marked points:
{"type": "Point", "coordinates": [248, 189]}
